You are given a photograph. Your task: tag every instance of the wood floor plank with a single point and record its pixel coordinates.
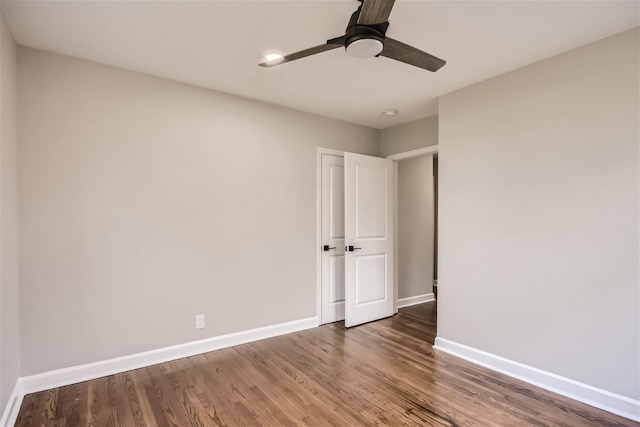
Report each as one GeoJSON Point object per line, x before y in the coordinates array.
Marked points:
{"type": "Point", "coordinates": [218, 391]}
{"type": "Point", "coordinates": [238, 371]}
{"type": "Point", "coordinates": [33, 410]}
{"type": "Point", "coordinates": [195, 385]}
{"type": "Point", "coordinates": [381, 373]}
{"type": "Point", "coordinates": [98, 400]}
{"type": "Point", "coordinates": [306, 406]}
{"type": "Point", "coordinates": [149, 404]}
{"type": "Point", "coordinates": [72, 404]}
{"type": "Point", "coordinates": [323, 407]}
{"type": "Point", "coordinates": [171, 409]}
{"type": "Point", "coordinates": [336, 378]}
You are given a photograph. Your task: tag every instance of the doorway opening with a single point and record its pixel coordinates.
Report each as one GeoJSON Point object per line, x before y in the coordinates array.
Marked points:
{"type": "Point", "coordinates": [416, 225]}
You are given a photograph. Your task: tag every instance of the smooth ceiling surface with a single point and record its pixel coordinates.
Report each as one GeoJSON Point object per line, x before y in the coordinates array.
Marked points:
{"type": "Point", "coordinates": [218, 44]}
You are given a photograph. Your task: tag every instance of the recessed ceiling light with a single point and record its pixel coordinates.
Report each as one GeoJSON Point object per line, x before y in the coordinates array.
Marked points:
{"type": "Point", "coordinates": [272, 57]}
{"type": "Point", "coordinates": [390, 113]}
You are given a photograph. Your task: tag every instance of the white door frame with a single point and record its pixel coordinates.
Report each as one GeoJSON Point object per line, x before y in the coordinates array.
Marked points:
{"type": "Point", "coordinates": [432, 149]}
{"type": "Point", "coordinates": [414, 153]}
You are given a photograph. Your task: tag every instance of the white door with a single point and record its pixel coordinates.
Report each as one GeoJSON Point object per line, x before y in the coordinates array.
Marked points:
{"type": "Point", "coordinates": [332, 234]}
{"type": "Point", "coordinates": [368, 226]}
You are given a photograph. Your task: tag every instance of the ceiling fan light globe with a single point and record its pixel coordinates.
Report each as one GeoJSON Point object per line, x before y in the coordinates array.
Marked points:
{"type": "Point", "coordinates": [365, 47]}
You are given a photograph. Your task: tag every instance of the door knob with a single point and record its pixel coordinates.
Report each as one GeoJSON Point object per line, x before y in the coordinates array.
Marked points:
{"type": "Point", "coordinates": [326, 248]}
{"type": "Point", "coordinates": [351, 248]}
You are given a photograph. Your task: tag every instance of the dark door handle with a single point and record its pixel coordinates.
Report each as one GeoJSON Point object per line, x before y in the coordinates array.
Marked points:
{"type": "Point", "coordinates": [326, 248]}
{"type": "Point", "coordinates": [351, 248]}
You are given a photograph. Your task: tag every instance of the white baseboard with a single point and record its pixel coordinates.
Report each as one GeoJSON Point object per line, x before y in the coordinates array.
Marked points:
{"type": "Point", "coordinates": [602, 399]}
{"type": "Point", "coordinates": [89, 371]}
{"type": "Point", "coordinates": [10, 413]}
{"type": "Point", "coordinates": [418, 299]}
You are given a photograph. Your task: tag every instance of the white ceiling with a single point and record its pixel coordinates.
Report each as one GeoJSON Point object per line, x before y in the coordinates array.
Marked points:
{"type": "Point", "coordinates": [218, 44]}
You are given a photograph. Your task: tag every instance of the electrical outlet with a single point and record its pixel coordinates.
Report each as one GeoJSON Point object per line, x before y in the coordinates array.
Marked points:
{"type": "Point", "coordinates": [199, 321]}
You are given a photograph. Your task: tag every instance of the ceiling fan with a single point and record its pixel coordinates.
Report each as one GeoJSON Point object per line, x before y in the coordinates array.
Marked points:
{"type": "Point", "coordinates": [365, 38]}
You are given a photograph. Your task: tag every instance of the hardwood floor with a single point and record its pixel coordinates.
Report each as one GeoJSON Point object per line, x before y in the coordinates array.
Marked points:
{"type": "Point", "coordinates": [381, 373]}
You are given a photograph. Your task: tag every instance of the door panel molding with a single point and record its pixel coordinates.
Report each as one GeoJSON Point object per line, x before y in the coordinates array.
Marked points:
{"type": "Point", "coordinates": [376, 231]}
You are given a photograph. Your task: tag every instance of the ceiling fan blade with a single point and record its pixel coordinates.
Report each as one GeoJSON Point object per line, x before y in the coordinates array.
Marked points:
{"type": "Point", "coordinates": [375, 11]}
{"type": "Point", "coordinates": [410, 55]}
{"type": "Point", "coordinates": [302, 54]}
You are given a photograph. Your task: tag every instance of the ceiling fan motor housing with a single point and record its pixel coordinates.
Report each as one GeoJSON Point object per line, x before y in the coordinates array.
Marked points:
{"type": "Point", "coordinates": [364, 45]}
{"type": "Point", "coordinates": [364, 41]}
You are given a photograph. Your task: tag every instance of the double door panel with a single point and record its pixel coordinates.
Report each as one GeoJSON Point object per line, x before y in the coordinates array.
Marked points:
{"type": "Point", "coordinates": [357, 222]}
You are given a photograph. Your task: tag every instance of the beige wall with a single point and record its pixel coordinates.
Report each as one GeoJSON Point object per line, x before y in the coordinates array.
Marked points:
{"type": "Point", "coordinates": [539, 215]}
{"type": "Point", "coordinates": [144, 202]}
{"type": "Point", "coordinates": [9, 315]}
{"type": "Point", "coordinates": [409, 136]}
{"type": "Point", "coordinates": [415, 226]}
